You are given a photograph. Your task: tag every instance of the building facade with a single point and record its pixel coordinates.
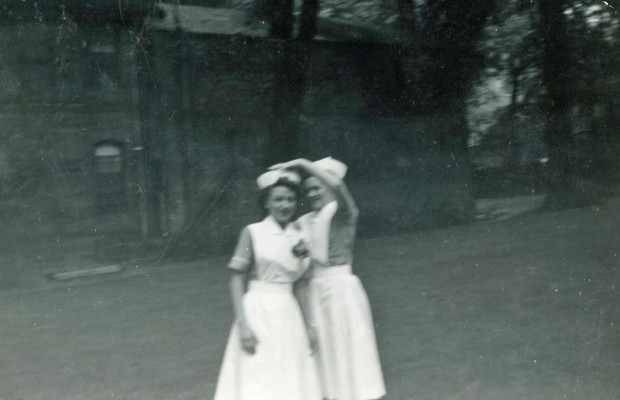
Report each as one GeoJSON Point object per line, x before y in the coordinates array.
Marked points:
{"type": "Point", "coordinates": [154, 128]}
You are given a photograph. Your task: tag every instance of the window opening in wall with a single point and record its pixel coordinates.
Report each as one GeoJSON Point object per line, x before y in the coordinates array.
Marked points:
{"type": "Point", "coordinates": [110, 177]}
{"type": "Point", "coordinates": [109, 159]}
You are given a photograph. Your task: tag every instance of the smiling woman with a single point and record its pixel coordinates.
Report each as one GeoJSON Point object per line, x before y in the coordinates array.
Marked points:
{"type": "Point", "coordinates": [268, 355]}
{"type": "Point", "coordinates": [281, 203]}
{"type": "Point", "coordinates": [349, 363]}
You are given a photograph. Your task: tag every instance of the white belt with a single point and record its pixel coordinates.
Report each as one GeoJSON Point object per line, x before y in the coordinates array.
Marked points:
{"type": "Point", "coordinates": [271, 287]}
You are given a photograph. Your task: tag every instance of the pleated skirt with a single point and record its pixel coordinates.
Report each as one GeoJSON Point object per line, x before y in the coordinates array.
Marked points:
{"type": "Point", "coordinates": [283, 367]}
{"type": "Point", "coordinates": [349, 364]}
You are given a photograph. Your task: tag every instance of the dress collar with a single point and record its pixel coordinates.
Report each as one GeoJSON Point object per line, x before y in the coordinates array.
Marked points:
{"type": "Point", "coordinates": [328, 208]}
{"type": "Point", "coordinates": [276, 228]}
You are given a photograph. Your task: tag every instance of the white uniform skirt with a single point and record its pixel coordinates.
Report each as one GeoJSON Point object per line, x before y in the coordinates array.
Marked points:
{"type": "Point", "coordinates": [349, 363]}
{"type": "Point", "coordinates": [282, 368]}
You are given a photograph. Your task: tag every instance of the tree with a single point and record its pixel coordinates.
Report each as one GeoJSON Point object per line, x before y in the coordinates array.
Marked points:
{"type": "Point", "coordinates": [292, 64]}
{"type": "Point", "coordinates": [591, 29]}
{"type": "Point", "coordinates": [555, 72]}
{"type": "Point", "coordinates": [557, 59]}
{"type": "Point", "coordinates": [441, 59]}
{"type": "Point", "coordinates": [579, 68]}
{"type": "Point", "coordinates": [503, 108]}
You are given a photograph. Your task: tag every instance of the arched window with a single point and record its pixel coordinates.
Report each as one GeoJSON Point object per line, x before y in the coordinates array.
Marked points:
{"type": "Point", "coordinates": [108, 158]}
{"type": "Point", "coordinates": [109, 175]}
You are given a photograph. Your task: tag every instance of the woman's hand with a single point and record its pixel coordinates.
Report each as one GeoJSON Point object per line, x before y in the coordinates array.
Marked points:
{"type": "Point", "coordinates": [300, 250]}
{"type": "Point", "coordinates": [313, 338]}
{"type": "Point", "coordinates": [248, 338]}
{"type": "Point", "coordinates": [290, 164]}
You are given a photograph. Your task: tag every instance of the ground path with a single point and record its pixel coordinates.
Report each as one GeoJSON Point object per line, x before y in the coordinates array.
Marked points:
{"type": "Point", "coordinates": [527, 308]}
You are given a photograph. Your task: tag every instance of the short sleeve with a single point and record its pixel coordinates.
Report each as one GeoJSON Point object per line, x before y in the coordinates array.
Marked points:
{"type": "Point", "coordinates": [243, 256]}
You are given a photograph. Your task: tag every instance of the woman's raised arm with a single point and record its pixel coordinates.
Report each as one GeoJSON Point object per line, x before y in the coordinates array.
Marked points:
{"type": "Point", "coordinates": [331, 181]}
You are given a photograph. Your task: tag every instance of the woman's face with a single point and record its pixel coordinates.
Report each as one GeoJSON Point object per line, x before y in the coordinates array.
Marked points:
{"type": "Point", "coordinates": [281, 204]}
{"type": "Point", "coordinates": [316, 193]}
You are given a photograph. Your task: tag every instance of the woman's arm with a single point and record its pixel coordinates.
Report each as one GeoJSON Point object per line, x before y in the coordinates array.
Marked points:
{"type": "Point", "coordinates": [237, 290]}
{"type": "Point", "coordinates": [239, 266]}
{"type": "Point", "coordinates": [333, 183]}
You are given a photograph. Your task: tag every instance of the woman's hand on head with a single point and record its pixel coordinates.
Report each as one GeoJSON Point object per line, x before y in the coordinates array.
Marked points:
{"type": "Point", "coordinates": [248, 338]}
{"type": "Point", "coordinates": [277, 166]}
{"type": "Point", "coordinates": [289, 164]}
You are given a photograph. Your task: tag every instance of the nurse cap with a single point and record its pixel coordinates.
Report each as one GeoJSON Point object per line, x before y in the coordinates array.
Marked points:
{"type": "Point", "coordinates": [271, 177]}
{"type": "Point", "coordinates": [332, 165]}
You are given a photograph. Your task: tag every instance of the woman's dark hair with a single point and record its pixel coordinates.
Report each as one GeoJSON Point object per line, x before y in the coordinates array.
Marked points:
{"type": "Point", "coordinates": [264, 193]}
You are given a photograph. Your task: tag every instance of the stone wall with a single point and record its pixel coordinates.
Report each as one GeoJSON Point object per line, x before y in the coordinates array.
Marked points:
{"type": "Point", "coordinates": [193, 114]}
{"type": "Point", "coordinates": [63, 89]}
